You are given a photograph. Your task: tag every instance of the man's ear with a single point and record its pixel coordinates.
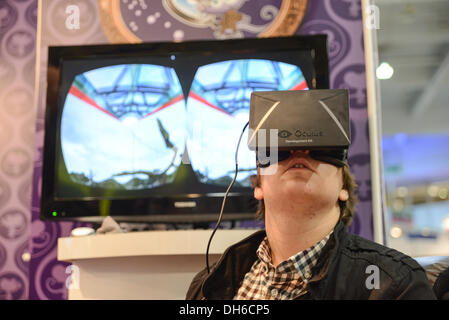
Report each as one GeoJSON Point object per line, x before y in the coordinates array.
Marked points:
{"type": "Point", "coordinates": [344, 195]}
{"type": "Point", "coordinates": [258, 193]}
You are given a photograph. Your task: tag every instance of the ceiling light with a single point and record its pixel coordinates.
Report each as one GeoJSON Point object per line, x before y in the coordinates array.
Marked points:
{"type": "Point", "coordinates": [384, 71]}
{"type": "Point", "coordinates": [395, 232]}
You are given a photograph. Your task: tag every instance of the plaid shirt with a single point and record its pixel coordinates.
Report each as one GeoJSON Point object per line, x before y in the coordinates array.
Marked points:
{"type": "Point", "coordinates": [285, 282]}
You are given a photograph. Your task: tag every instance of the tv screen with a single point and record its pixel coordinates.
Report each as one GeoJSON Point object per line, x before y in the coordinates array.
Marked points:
{"type": "Point", "coordinates": [148, 132]}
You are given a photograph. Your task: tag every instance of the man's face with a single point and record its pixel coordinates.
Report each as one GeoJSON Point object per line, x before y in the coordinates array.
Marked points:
{"type": "Point", "coordinates": [301, 180]}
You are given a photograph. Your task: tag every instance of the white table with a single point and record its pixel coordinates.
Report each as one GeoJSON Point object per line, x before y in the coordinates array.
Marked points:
{"type": "Point", "coordinates": [140, 265]}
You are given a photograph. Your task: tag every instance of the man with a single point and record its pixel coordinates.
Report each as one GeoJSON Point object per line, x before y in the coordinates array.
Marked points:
{"type": "Point", "coordinates": [305, 251]}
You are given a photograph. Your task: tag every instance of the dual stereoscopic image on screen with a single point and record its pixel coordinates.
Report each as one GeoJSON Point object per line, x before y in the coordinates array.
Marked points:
{"type": "Point", "coordinates": [160, 122]}
{"type": "Point", "coordinates": [128, 126]}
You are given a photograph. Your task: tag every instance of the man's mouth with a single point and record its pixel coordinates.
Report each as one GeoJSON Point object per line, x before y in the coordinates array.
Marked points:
{"type": "Point", "coordinates": [299, 163]}
{"type": "Point", "coordinates": [299, 166]}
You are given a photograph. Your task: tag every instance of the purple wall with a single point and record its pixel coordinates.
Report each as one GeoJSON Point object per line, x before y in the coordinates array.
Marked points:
{"type": "Point", "coordinates": [17, 118]}
{"type": "Point", "coordinates": [341, 20]}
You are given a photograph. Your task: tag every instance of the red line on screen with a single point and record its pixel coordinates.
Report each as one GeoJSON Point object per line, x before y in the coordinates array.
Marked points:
{"type": "Point", "coordinates": [82, 96]}
{"type": "Point", "coordinates": [300, 86]}
{"type": "Point", "coordinates": [201, 99]}
{"type": "Point", "coordinates": [167, 104]}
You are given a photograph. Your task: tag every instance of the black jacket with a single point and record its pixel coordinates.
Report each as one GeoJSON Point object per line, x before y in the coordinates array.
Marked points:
{"type": "Point", "coordinates": [341, 271]}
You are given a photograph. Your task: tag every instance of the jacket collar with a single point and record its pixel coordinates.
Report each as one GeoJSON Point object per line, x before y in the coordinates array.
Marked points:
{"type": "Point", "coordinates": [227, 274]}
{"type": "Point", "coordinates": [329, 254]}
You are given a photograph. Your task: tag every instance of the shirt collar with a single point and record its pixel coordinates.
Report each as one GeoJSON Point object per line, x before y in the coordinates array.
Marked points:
{"type": "Point", "coordinates": [302, 262]}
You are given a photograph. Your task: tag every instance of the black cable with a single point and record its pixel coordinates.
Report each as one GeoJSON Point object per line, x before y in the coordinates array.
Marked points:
{"type": "Point", "coordinates": [224, 198]}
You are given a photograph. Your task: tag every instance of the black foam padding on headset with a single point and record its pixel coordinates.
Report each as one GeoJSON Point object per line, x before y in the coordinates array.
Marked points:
{"type": "Point", "coordinates": [336, 157]}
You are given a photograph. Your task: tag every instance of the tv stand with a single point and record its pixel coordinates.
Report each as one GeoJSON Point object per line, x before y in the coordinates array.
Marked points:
{"type": "Point", "coordinates": [140, 265]}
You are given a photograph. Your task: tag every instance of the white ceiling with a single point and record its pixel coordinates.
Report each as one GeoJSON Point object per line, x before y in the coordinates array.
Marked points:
{"type": "Point", "coordinates": [414, 39]}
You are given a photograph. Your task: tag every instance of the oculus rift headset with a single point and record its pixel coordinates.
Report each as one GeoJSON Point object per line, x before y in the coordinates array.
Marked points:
{"type": "Point", "coordinates": [316, 120]}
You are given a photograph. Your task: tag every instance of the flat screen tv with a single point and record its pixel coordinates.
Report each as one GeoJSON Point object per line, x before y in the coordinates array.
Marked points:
{"type": "Point", "coordinates": [148, 132]}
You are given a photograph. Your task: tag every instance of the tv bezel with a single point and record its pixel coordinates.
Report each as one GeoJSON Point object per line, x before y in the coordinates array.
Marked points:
{"type": "Point", "coordinates": [239, 205]}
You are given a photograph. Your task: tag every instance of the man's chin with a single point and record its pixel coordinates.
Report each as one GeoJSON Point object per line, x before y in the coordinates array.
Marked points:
{"type": "Point", "coordinates": [296, 191]}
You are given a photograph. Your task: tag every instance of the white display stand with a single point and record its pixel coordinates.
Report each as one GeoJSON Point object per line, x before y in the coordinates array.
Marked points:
{"type": "Point", "coordinates": [140, 265]}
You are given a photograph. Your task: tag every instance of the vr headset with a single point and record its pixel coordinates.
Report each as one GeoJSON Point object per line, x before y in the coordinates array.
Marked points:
{"type": "Point", "coordinates": [314, 120]}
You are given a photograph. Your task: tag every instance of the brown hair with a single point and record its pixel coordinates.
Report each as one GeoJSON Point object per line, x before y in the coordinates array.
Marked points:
{"type": "Point", "coordinates": [347, 208]}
